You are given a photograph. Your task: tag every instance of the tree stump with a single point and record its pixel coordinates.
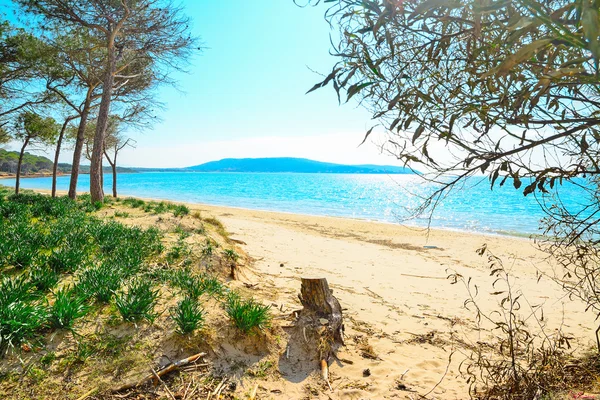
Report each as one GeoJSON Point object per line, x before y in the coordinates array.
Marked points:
{"type": "Point", "coordinates": [317, 298]}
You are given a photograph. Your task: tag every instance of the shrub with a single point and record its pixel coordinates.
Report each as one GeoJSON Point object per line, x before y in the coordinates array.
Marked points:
{"type": "Point", "coordinates": [100, 282]}
{"type": "Point", "coordinates": [188, 315]}
{"type": "Point", "coordinates": [121, 214]}
{"type": "Point", "coordinates": [248, 316]}
{"type": "Point", "coordinates": [524, 361]}
{"type": "Point", "coordinates": [138, 301]}
{"type": "Point", "coordinates": [67, 308]}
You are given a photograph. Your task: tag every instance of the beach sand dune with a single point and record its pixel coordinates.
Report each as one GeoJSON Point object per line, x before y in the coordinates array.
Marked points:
{"type": "Point", "coordinates": [403, 316]}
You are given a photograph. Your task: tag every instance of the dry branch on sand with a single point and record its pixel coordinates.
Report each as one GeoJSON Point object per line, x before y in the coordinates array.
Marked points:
{"type": "Point", "coordinates": [156, 375]}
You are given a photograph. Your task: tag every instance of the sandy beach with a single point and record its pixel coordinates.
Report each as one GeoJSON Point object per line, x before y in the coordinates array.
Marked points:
{"type": "Point", "coordinates": [405, 322]}
{"type": "Point", "coordinates": [392, 282]}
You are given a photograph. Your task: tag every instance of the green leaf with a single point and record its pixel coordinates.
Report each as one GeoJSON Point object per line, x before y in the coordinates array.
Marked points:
{"type": "Point", "coordinates": [354, 89]}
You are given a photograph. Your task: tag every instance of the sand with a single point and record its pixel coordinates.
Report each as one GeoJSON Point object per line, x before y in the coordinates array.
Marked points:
{"type": "Point", "coordinates": [392, 282]}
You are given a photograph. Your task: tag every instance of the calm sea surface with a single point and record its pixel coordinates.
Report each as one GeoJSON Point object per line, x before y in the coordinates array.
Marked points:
{"type": "Point", "coordinates": [389, 198]}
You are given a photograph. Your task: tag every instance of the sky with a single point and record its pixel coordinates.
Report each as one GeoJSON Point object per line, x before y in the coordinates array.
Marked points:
{"type": "Point", "coordinates": [244, 94]}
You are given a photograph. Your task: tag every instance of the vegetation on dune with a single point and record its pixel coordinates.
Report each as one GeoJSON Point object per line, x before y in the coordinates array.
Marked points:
{"type": "Point", "coordinates": [248, 315]}
{"type": "Point", "coordinates": [65, 269]}
{"type": "Point", "coordinates": [188, 315]}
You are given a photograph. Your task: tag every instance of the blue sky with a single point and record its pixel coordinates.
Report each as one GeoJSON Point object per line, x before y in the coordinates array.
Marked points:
{"type": "Point", "coordinates": [244, 95]}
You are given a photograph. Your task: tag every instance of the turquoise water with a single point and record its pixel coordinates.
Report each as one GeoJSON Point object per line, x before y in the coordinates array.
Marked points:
{"type": "Point", "coordinates": [374, 197]}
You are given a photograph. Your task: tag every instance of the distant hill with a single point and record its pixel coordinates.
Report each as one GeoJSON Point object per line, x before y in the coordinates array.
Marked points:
{"type": "Point", "coordinates": [40, 165]}
{"type": "Point", "coordinates": [32, 164]}
{"type": "Point", "coordinates": [289, 164]}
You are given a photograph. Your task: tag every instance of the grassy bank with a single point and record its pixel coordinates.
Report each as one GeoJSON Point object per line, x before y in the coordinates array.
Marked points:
{"type": "Point", "coordinates": [91, 296]}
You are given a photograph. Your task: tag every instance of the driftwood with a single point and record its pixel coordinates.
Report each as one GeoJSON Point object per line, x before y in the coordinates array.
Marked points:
{"type": "Point", "coordinates": [155, 376]}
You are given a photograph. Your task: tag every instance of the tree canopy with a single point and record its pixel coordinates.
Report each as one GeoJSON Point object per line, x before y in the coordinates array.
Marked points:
{"type": "Point", "coordinates": [509, 88]}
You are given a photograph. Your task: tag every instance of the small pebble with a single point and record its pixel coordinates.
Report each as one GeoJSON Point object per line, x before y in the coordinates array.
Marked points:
{"type": "Point", "coordinates": [366, 372]}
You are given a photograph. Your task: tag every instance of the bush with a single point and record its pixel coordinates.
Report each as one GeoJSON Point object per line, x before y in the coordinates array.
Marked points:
{"type": "Point", "coordinates": [524, 361]}
{"type": "Point", "coordinates": [138, 301]}
{"type": "Point", "coordinates": [249, 316]}
{"type": "Point", "coordinates": [188, 315]}
{"type": "Point", "coordinates": [68, 306]}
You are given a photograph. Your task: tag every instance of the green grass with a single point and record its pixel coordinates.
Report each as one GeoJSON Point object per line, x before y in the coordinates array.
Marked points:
{"type": "Point", "coordinates": [69, 305]}
{"type": "Point", "coordinates": [180, 210]}
{"type": "Point", "coordinates": [43, 278]}
{"type": "Point", "coordinates": [99, 282]}
{"type": "Point", "coordinates": [134, 203]}
{"type": "Point", "coordinates": [208, 249]}
{"type": "Point", "coordinates": [157, 207]}
{"type": "Point", "coordinates": [230, 256]}
{"type": "Point", "coordinates": [137, 302]}
{"type": "Point", "coordinates": [194, 286]}
{"type": "Point", "coordinates": [188, 315]}
{"type": "Point", "coordinates": [248, 315]}
{"type": "Point", "coordinates": [22, 313]}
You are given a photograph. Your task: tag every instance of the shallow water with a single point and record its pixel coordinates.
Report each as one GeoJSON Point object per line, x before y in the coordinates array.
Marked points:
{"type": "Point", "coordinates": [389, 198]}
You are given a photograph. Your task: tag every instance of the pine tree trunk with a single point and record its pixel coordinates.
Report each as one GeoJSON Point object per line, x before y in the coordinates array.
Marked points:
{"type": "Point", "coordinates": [79, 141]}
{"type": "Point", "coordinates": [18, 178]}
{"type": "Point", "coordinates": [57, 154]}
{"type": "Point", "coordinates": [96, 189]}
{"type": "Point", "coordinates": [114, 171]}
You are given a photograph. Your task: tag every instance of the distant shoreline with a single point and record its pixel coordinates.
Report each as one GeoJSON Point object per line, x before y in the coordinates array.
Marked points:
{"type": "Point", "coordinates": [5, 175]}
{"type": "Point", "coordinates": [267, 212]}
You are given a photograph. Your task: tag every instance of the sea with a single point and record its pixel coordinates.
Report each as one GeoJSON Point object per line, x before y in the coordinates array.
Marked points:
{"type": "Point", "coordinates": [398, 199]}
